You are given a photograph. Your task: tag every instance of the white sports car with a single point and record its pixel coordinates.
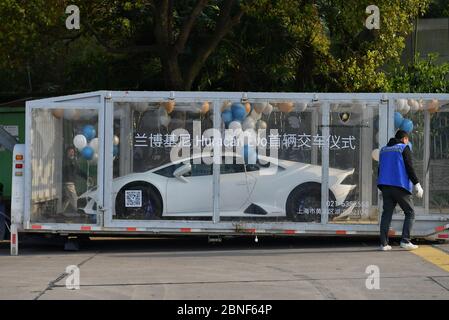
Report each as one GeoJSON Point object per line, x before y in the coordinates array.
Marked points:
{"type": "Point", "coordinates": [269, 188]}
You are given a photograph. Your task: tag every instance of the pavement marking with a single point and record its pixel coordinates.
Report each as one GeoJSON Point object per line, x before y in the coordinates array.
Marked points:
{"type": "Point", "coordinates": [434, 256]}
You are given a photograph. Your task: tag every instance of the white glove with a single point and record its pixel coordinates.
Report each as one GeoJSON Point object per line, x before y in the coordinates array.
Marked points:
{"type": "Point", "coordinates": [419, 190]}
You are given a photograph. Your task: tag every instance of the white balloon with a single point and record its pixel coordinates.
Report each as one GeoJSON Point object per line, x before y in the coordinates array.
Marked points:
{"type": "Point", "coordinates": [268, 109]}
{"type": "Point", "coordinates": [261, 124]}
{"type": "Point", "coordinates": [405, 109]}
{"type": "Point", "coordinates": [95, 158]}
{"type": "Point", "coordinates": [249, 123]}
{"type": "Point", "coordinates": [79, 141]}
{"type": "Point", "coordinates": [375, 155]}
{"type": "Point", "coordinates": [259, 107]}
{"type": "Point", "coordinates": [255, 115]}
{"type": "Point", "coordinates": [71, 114]}
{"type": "Point", "coordinates": [301, 106]}
{"type": "Point", "coordinates": [94, 144]}
{"type": "Point", "coordinates": [165, 120]}
{"type": "Point", "coordinates": [87, 114]}
{"type": "Point", "coordinates": [414, 105]}
{"type": "Point", "coordinates": [116, 140]}
{"type": "Point", "coordinates": [236, 126]}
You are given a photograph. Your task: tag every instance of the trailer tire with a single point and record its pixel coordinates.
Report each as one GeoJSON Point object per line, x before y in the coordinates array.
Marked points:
{"type": "Point", "coordinates": [151, 202]}
{"type": "Point", "coordinates": [306, 196]}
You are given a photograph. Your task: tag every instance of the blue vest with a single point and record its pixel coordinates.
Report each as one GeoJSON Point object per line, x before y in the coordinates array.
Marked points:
{"type": "Point", "coordinates": [392, 170]}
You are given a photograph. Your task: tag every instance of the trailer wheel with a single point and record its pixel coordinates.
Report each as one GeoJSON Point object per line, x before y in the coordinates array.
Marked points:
{"type": "Point", "coordinates": [304, 203]}
{"type": "Point", "coordinates": [145, 205]}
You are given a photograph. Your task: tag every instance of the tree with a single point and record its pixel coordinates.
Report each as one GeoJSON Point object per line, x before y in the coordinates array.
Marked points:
{"type": "Point", "coordinates": [182, 34]}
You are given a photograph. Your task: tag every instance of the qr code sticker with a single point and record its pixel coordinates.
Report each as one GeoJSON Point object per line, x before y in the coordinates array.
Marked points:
{"type": "Point", "coordinates": [133, 198]}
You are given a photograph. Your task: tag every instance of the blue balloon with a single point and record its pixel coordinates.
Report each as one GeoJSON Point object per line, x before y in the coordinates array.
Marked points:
{"type": "Point", "coordinates": [249, 154]}
{"type": "Point", "coordinates": [115, 151]}
{"type": "Point", "coordinates": [88, 153]}
{"type": "Point", "coordinates": [238, 111]}
{"type": "Point", "coordinates": [226, 116]}
{"type": "Point", "coordinates": [407, 125]}
{"type": "Point", "coordinates": [89, 132]}
{"type": "Point", "coordinates": [398, 119]}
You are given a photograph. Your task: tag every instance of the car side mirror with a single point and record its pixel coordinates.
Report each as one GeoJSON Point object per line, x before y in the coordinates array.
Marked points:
{"type": "Point", "coordinates": [181, 171]}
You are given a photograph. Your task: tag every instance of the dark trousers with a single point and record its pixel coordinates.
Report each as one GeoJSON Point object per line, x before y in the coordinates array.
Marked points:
{"type": "Point", "coordinates": [391, 197]}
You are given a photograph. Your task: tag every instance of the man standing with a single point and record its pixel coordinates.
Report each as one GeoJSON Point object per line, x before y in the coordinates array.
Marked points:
{"type": "Point", "coordinates": [71, 170]}
{"type": "Point", "coordinates": [396, 180]}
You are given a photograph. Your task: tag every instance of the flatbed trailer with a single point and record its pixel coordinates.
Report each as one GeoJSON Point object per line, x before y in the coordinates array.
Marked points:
{"type": "Point", "coordinates": [156, 163]}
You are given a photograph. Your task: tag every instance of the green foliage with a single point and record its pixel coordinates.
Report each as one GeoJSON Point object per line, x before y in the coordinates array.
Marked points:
{"type": "Point", "coordinates": [277, 45]}
{"type": "Point", "coordinates": [425, 75]}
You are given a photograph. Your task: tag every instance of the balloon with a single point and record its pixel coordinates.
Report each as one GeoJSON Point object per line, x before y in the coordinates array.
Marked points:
{"type": "Point", "coordinates": [421, 104]}
{"type": "Point", "coordinates": [226, 105]}
{"type": "Point", "coordinates": [261, 124]}
{"type": "Point", "coordinates": [94, 144]}
{"type": "Point", "coordinates": [255, 115]}
{"type": "Point", "coordinates": [375, 155]}
{"type": "Point", "coordinates": [79, 141]}
{"type": "Point", "coordinates": [400, 104]}
{"type": "Point", "coordinates": [87, 114]}
{"type": "Point", "coordinates": [235, 125]}
{"type": "Point", "coordinates": [71, 114]}
{"type": "Point", "coordinates": [405, 109]}
{"type": "Point", "coordinates": [58, 113]}
{"type": "Point", "coordinates": [89, 132]}
{"type": "Point", "coordinates": [116, 140]}
{"type": "Point", "coordinates": [164, 120]}
{"type": "Point", "coordinates": [238, 111]}
{"type": "Point", "coordinates": [249, 123]}
{"type": "Point", "coordinates": [301, 106]}
{"type": "Point", "coordinates": [407, 125]}
{"type": "Point", "coordinates": [285, 107]}
{"type": "Point", "coordinates": [248, 107]}
{"type": "Point", "coordinates": [169, 106]}
{"type": "Point", "coordinates": [115, 150]}
{"type": "Point", "coordinates": [260, 107]}
{"type": "Point", "coordinates": [398, 119]}
{"type": "Point", "coordinates": [268, 109]}
{"type": "Point", "coordinates": [205, 107]}
{"type": "Point", "coordinates": [414, 105]}
{"type": "Point", "coordinates": [87, 153]}
{"type": "Point", "coordinates": [433, 106]}
{"type": "Point", "coordinates": [95, 158]}
{"type": "Point", "coordinates": [226, 116]}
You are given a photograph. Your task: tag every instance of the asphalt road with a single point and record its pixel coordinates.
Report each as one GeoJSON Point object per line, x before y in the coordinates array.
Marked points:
{"type": "Point", "coordinates": [192, 268]}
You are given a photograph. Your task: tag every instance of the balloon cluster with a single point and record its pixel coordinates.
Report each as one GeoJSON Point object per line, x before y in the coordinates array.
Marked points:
{"type": "Point", "coordinates": [87, 143]}
{"type": "Point", "coordinates": [403, 106]}
{"type": "Point", "coordinates": [244, 119]}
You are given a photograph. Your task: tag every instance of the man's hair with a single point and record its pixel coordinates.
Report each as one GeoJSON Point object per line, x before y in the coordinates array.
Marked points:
{"type": "Point", "coordinates": [401, 134]}
{"type": "Point", "coordinates": [70, 148]}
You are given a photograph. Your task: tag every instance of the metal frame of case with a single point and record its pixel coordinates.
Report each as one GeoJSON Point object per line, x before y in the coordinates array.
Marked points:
{"type": "Point", "coordinates": [427, 225]}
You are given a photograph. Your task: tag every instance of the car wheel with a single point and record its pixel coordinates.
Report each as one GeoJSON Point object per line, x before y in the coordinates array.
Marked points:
{"type": "Point", "coordinates": [304, 203]}
{"type": "Point", "coordinates": [138, 200]}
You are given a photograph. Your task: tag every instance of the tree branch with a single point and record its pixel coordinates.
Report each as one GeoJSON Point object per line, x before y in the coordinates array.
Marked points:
{"type": "Point", "coordinates": [188, 25]}
{"type": "Point", "coordinates": [224, 25]}
{"type": "Point", "coordinates": [125, 50]}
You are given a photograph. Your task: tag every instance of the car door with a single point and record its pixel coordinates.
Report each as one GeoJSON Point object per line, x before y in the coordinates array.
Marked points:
{"type": "Point", "coordinates": [236, 187]}
{"type": "Point", "coordinates": [194, 195]}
